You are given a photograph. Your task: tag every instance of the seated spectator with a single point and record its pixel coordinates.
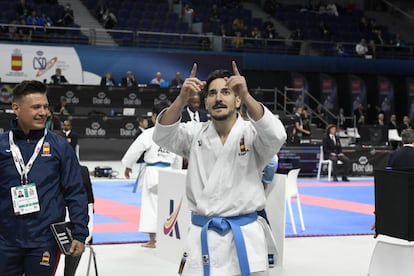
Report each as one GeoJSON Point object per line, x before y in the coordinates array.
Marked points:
{"type": "Point", "coordinates": [58, 78]}
{"type": "Point", "coordinates": [392, 124]}
{"type": "Point", "coordinates": [129, 80]}
{"type": "Point", "coordinates": [158, 80]}
{"type": "Point", "coordinates": [380, 121]}
{"type": "Point", "coordinates": [269, 31]}
{"type": "Point", "coordinates": [32, 19]}
{"type": "Point", "coordinates": [255, 33]}
{"type": "Point", "coordinates": [23, 9]}
{"type": "Point", "coordinates": [237, 40]}
{"type": "Point", "coordinates": [406, 124]}
{"type": "Point", "coordinates": [398, 41]}
{"type": "Point", "coordinates": [107, 80]}
{"type": "Point", "coordinates": [68, 17]}
{"type": "Point", "coordinates": [109, 19]}
{"type": "Point", "coordinates": [24, 32]}
{"type": "Point", "coordinates": [177, 82]}
{"type": "Point", "coordinates": [331, 9]}
{"type": "Point", "coordinates": [205, 43]}
{"type": "Point", "coordinates": [361, 48]}
{"type": "Point", "coordinates": [340, 51]}
{"type": "Point", "coordinates": [13, 32]}
{"type": "Point", "coordinates": [45, 20]}
{"type": "Point", "coordinates": [361, 121]}
{"type": "Point", "coordinates": [332, 150]}
{"type": "Point", "coordinates": [325, 30]}
{"type": "Point", "coordinates": [238, 24]}
{"type": "Point", "coordinates": [364, 25]}
{"type": "Point", "coordinates": [52, 122]}
{"type": "Point", "coordinates": [62, 108]}
{"type": "Point", "coordinates": [372, 50]}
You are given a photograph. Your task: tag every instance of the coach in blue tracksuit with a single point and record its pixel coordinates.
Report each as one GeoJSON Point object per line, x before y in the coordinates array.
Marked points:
{"type": "Point", "coordinates": [39, 176]}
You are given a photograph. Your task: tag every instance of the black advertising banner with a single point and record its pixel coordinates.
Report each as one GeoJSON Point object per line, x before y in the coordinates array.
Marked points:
{"type": "Point", "coordinates": [329, 96]}
{"type": "Point", "coordinates": [101, 96]}
{"type": "Point", "coordinates": [105, 127]}
{"type": "Point", "coordinates": [97, 96]}
{"type": "Point", "coordinates": [364, 161]}
{"type": "Point", "coordinates": [385, 96]}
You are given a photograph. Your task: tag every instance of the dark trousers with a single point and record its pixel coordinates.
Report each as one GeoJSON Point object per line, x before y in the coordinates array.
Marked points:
{"type": "Point", "coordinates": [71, 264]}
{"type": "Point", "coordinates": [346, 165]}
{"type": "Point", "coordinates": [41, 261]}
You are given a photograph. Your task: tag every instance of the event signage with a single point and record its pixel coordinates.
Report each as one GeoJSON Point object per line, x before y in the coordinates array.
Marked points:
{"type": "Point", "coordinates": [39, 62]}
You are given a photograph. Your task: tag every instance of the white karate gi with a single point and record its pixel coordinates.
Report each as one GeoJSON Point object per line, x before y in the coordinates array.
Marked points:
{"type": "Point", "coordinates": [149, 176]}
{"type": "Point", "coordinates": [225, 180]}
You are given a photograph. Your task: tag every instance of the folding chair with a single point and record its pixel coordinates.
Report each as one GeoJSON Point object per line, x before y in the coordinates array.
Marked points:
{"type": "Point", "coordinates": [292, 192]}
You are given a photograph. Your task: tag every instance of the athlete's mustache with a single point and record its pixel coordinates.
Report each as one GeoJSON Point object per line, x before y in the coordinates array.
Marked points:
{"type": "Point", "coordinates": [219, 105]}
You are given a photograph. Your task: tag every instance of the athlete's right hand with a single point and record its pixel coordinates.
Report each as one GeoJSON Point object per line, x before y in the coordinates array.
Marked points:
{"type": "Point", "coordinates": [191, 86]}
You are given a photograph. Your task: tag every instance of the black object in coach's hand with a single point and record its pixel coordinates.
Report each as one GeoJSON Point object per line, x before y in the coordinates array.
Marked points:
{"type": "Point", "coordinates": [63, 235]}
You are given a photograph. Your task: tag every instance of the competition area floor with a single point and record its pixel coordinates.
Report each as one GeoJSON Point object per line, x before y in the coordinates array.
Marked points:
{"type": "Point", "coordinates": [337, 240]}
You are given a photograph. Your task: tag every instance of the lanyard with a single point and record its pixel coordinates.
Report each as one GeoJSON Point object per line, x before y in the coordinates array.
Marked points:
{"type": "Point", "coordinates": [21, 168]}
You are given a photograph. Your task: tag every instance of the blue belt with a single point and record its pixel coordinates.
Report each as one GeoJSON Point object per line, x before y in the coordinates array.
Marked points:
{"type": "Point", "coordinates": [223, 225]}
{"type": "Point", "coordinates": [159, 164]}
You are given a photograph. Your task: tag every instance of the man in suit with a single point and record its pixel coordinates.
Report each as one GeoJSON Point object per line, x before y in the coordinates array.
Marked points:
{"type": "Point", "coordinates": [107, 80]}
{"type": "Point", "coordinates": [332, 150]}
{"type": "Point", "coordinates": [402, 157]}
{"type": "Point", "coordinates": [58, 78]}
{"type": "Point", "coordinates": [406, 124]}
{"type": "Point", "coordinates": [177, 82]}
{"type": "Point", "coordinates": [193, 112]}
{"type": "Point", "coordinates": [69, 135]}
{"type": "Point", "coordinates": [129, 80]}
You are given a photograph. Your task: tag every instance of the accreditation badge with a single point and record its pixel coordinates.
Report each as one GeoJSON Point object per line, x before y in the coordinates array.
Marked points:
{"type": "Point", "coordinates": [25, 199]}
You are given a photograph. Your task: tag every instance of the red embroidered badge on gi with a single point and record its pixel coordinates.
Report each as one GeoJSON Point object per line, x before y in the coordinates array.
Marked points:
{"type": "Point", "coordinates": [243, 149]}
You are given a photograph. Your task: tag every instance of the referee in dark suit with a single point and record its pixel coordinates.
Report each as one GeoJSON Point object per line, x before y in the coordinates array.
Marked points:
{"type": "Point", "coordinates": [192, 111]}
{"type": "Point", "coordinates": [403, 157]}
{"type": "Point", "coordinates": [332, 150]}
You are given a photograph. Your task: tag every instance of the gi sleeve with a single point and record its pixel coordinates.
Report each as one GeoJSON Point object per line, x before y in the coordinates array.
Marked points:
{"type": "Point", "coordinates": [271, 135]}
{"type": "Point", "coordinates": [137, 148]}
{"type": "Point", "coordinates": [176, 138]}
{"type": "Point", "coordinates": [269, 171]}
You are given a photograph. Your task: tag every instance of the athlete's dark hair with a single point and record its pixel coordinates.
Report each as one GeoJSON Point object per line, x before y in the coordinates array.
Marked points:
{"type": "Point", "coordinates": [28, 87]}
{"type": "Point", "coordinates": [217, 74]}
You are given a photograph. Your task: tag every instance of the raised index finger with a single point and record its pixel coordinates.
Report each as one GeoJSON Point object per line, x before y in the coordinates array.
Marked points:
{"type": "Point", "coordinates": [235, 69]}
{"type": "Point", "coordinates": [193, 71]}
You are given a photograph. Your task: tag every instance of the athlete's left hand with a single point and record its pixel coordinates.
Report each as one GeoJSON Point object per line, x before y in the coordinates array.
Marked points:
{"type": "Point", "coordinates": [237, 83]}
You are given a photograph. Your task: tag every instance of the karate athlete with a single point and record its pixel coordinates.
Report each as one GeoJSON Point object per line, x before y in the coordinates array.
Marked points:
{"type": "Point", "coordinates": [44, 167]}
{"type": "Point", "coordinates": [224, 188]}
{"type": "Point", "coordinates": [155, 157]}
